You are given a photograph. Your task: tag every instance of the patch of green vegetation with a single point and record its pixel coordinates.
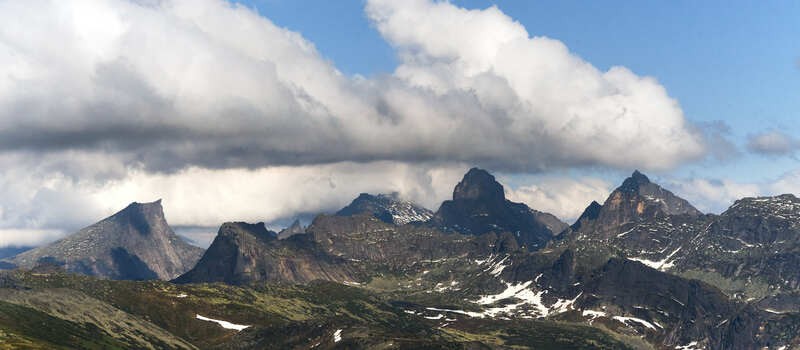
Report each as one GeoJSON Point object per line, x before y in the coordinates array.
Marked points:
{"type": "Point", "coordinates": [287, 316]}
{"type": "Point", "coordinates": [756, 288]}
{"type": "Point", "coordinates": [24, 327]}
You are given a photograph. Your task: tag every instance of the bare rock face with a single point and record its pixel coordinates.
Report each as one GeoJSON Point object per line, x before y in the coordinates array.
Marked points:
{"type": "Point", "coordinates": [637, 199]}
{"type": "Point", "coordinates": [243, 253]}
{"type": "Point", "coordinates": [133, 244]}
{"type": "Point", "coordinates": [479, 206]}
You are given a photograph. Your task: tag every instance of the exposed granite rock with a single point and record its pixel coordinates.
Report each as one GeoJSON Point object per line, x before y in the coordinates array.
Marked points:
{"type": "Point", "coordinates": [135, 243]}
{"type": "Point", "coordinates": [479, 206]}
{"type": "Point", "coordinates": [243, 253]}
{"type": "Point", "coordinates": [636, 200]}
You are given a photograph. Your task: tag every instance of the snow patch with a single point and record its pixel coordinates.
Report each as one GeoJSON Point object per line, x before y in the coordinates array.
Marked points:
{"type": "Point", "coordinates": [662, 265]}
{"type": "Point", "coordinates": [224, 324]}
{"type": "Point", "coordinates": [592, 315]}
{"type": "Point", "coordinates": [625, 321]}
{"type": "Point", "coordinates": [526, 296]}
{"type": "Point", "coordinates": [690, 346]}
{"type": "Point", "coordinates": [496, 268]}
{"type": "Point", "coordinates": [337, 336]}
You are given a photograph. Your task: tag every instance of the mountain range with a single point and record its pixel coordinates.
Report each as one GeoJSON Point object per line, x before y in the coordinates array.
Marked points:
{"type": "Point", "coordinates": [643, 270]}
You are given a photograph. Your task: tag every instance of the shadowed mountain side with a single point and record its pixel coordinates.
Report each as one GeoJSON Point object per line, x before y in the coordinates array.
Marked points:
{"type": "Point", "coordinates": [479, 206]}
{"type": "Point", "coordinates": [135, 243]}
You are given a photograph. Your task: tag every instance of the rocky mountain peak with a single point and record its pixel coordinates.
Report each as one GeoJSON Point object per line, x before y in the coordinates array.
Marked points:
{"type": "Point", "coordinates": [634, 182]}
{"type": "Point", "coordinates": [389, 208]}
{"type": "Point", "coordinates": [135, 243]}
{"type": "Point", "coordinates": [295, 228]}
{"type": "Point", "coordinates": [478, 184]}
{"type": "Point", "coordinates": [258, 230]}
{"type": "Point", "coordinates": [589, 214]}
{"type": "Point", "coordinates": [479, 206]}
{"type": "Point", "coordinates": [142, 216]}
{"type": "Point", "coordinates": [637, 199]}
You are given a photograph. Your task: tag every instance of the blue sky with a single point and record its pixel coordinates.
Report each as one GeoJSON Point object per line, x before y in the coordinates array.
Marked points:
{"type": "Point", "coordinates": [732, 61]}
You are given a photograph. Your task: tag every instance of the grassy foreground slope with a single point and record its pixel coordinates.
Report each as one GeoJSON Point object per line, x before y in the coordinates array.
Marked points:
{"type": "Point", "coordinates": [57, 310]}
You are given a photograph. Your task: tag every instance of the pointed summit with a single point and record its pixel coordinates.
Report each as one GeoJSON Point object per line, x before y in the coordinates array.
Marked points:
{"type": "Point", "coordinates": [479, 206]}
{"type": "Point", "coordinates": [479, 184]}
{"type": "Point", "coordinates": [635, 181]}
{"type": "Point", "coordinates": [589, 214]}
{"type": "Point", "coordinates": [294, 229]}
{"type": "Point", "coordinates": [136, 243]}
{"type": "Point", "coordinates": [635, 200]}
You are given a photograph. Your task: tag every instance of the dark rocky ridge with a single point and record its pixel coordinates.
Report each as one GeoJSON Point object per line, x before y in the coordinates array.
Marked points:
{"type": "Point", "coordinates": [243, 253]}
{"type": "Point", "coordinates": [135, 243]}
{"type": "Point", "coordinates": [479, 206]}
{"type": "Point", "coordinates": [334, 248]}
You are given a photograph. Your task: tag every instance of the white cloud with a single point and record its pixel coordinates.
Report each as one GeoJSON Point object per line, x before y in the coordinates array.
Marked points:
{"type": "Point", "coordinates": [27, 237]}
{"type": "Point", "coordinates": [178, 83]}
{"type": "Point", "coordinates": [547, 103]}
{"type": "Point", "coordinates": [772, 143]}
{"type": "Point", "coordinates": [562, 197]}
{"type": "Point", "coordinates": [714, 195]}
{"type": "Point", "coordinates": [223, 114]}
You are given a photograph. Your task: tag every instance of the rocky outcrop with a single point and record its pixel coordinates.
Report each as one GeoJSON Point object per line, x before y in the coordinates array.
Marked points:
{"type": "Point", "coordinates": [334, 248]}
{"type": "Point", "coordinates": [243, 253]}
{"type": "Point", "coordinates": [636, 200]}
{"type": "Point", "coordinates": [135, 243]}
{"type": "Point", "coordinates": [479, 206]}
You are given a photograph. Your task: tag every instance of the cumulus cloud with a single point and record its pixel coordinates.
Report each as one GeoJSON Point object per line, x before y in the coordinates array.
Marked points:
{"type": "Point", "coordinates": [216, 109]}
{"type": "Point", "coordinates": [545, 104]}
{"type": "Point", "coordinates": [773, 143]}
{"type": "Point", "coordinates": [177, 83]}
{"type": "Point", "coordinates": [562, 197]}
{"type": "Point", "coordinates": [714, 195]}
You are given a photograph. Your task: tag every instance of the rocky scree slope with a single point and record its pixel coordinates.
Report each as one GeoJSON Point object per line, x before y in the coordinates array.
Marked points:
{"type": "Point", "coordinates": [135, 243]}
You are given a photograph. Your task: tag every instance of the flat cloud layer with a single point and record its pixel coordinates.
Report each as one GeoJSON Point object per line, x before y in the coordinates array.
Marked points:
{"type": "Point", "coordinates": [97, 96]}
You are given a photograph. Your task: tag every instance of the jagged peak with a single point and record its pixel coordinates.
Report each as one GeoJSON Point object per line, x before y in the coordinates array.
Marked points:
{"type": "Point", "coordinates": [479, 184]}
{"type": "Point", "coordinates": [237, 227]}
{"type": "Point", "coordinates": [590, 213]}
{"type": "Point", "coordinates": [141, 215]}
{"type": "Point", "coordinates": [145, 205]}
{"type": "Point", "coordinates": [636, 180]}
{"type": "Point", "coordinates": [592, 210]}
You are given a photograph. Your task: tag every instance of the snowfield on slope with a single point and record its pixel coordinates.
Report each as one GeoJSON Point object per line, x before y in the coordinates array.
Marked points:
{"type": "Point", "coordinates": [223, 324]}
